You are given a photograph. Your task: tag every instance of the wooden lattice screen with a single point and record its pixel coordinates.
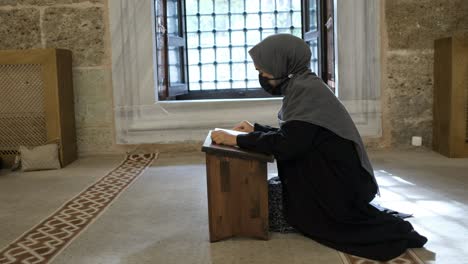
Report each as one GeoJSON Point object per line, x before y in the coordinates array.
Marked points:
{"type": "Point", "coordinates": [36, 101]}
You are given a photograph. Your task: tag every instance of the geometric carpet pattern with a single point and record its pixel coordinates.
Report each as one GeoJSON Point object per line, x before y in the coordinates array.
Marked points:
{"type": "Point", "coordinates": [409, 257]}
{"type": "Point", "coordinates": [46, 240]}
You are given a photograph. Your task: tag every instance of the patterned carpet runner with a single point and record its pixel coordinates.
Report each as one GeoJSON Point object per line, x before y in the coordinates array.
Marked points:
{"type": "Point", "coordinates": [409, 257]}
{"type": "Point", "coordinates": [46, 240]}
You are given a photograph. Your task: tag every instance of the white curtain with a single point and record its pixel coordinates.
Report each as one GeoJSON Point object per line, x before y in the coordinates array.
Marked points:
{"type": "Point", "coordinates": [140, 118]}
{"type": "Point", "coordinates": [358, 61]}
{"type": "Point", "coordinates": [133, 62]}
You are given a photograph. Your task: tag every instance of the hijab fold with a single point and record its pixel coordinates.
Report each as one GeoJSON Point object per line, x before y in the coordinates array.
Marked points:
{"type": "Point", "coordinates": [306, 97]}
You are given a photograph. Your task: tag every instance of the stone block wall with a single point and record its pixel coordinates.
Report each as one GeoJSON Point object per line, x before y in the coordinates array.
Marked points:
{"type": "Point", "coordinates": [82, 27]}
{"type": "Point", "coordinates": [411, 28]}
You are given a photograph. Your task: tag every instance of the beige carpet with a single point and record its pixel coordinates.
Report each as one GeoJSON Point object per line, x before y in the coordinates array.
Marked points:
{"type": "Point", "coordinates": [163, 217]}
{"type": "Point", "coordinates": [47, 239]}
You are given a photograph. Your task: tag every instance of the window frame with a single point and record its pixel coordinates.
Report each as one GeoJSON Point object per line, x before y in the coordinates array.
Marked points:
{"type": "Point", "coordinates": [166, 91]}
{"type": "Point", "coordinates": [325, 39]}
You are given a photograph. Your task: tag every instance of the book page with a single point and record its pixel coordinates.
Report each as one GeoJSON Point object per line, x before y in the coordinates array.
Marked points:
{"type": "Point", "coordinates": [230, 131]}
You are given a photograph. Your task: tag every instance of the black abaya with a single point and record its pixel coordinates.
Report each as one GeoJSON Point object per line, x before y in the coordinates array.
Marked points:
{"type": "Point", "coordinates": [326, 191]}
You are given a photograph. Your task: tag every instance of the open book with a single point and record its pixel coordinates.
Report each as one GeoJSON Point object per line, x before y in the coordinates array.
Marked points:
{"type": "Point", "coordinates": [230, 131]}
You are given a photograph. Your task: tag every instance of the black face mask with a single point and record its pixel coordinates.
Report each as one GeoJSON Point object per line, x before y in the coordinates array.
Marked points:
{"type": "Point", "coordinates": [269, 88]}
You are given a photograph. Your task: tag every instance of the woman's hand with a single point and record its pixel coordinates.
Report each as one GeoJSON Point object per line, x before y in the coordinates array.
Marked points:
{"type": "Point", "coordinates": [224, 138]}
{"type": "Point", "coordinates": [244, 126]}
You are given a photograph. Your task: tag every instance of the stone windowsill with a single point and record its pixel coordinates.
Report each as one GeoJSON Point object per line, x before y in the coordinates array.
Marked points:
{"type": "Point", "coordinates": [178, 121]}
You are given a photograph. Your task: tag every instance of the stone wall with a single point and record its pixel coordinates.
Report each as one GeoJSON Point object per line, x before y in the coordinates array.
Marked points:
{"type": "Point", "coordinates": [81, 26]}
{"type": "Point", "coordinates": [411, 28]}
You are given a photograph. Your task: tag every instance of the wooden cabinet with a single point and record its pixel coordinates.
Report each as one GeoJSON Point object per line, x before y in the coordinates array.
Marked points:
{"type": "Point", "coordinates": [36, 101]}
{"type": "Point", "coordinates": [450, 128]}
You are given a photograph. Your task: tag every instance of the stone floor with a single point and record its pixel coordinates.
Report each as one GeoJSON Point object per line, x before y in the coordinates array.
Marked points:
{"type": "Point", "coordinates": [162, 217]}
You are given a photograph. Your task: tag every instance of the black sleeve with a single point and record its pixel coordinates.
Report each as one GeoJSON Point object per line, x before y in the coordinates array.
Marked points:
{"type": "Point", "coordinates": [292, 140]}
{"type": "Point", "coordinates": [263, 128]}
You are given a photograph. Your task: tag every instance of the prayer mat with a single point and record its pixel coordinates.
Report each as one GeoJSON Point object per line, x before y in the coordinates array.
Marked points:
{"type": "Point", "coordinates": [46, 240]}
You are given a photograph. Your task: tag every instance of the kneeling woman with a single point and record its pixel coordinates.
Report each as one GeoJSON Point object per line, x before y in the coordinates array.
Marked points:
{"type": "Point", "coordinates": [326, 175]}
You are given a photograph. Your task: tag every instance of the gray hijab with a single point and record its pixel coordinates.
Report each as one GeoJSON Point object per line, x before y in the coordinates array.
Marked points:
{"type": "Point", "coordinates": [306, 97]}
